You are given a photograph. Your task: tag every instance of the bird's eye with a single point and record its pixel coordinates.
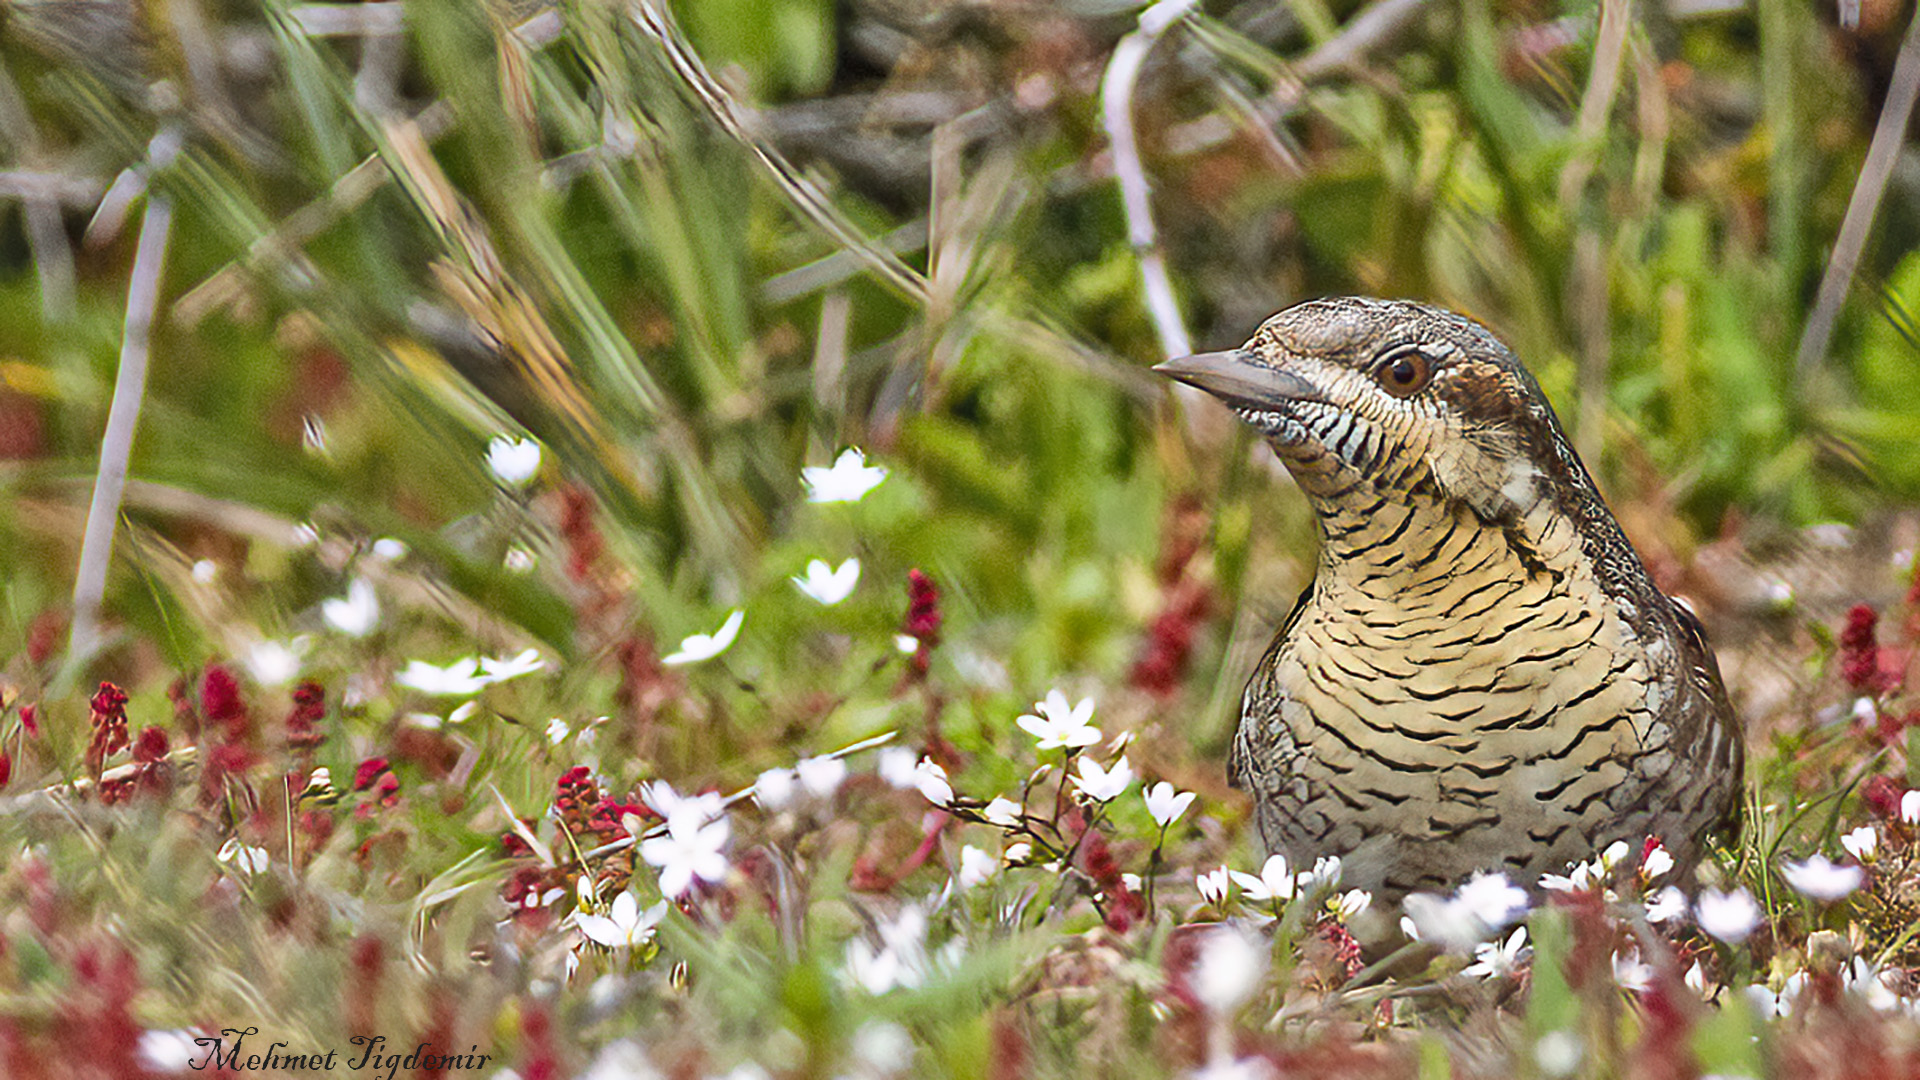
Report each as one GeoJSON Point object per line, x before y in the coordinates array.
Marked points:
{"type": "Point", "coordinates": [1404, 372]}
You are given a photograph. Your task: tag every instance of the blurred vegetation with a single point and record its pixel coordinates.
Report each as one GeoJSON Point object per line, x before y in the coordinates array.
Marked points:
{"type": "Point", "coordinates": [692, 257]}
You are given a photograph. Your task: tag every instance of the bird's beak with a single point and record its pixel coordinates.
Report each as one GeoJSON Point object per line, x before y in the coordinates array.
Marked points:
{"type": "Point", "coordinates": [1239, 379]}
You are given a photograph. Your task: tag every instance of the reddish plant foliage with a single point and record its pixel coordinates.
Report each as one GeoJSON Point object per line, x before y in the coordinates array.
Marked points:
{"type": "Point", "coordinates": [109, 722]}
{"type": "Point", "coordinates": [923, 621]}
{"type": "Point", "coordinates": [303, 722]}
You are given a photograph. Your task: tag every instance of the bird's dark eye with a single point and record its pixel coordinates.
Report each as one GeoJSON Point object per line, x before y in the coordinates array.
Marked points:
{"type": "Point", "coordinates": [1404, 372]}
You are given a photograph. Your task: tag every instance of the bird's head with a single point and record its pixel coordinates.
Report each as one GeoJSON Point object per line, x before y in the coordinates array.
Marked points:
{"type": "Point", "coordinates": [1367, 398]}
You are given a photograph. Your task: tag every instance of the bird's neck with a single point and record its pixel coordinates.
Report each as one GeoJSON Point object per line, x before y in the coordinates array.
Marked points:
{"type": "Point", "coordinates": [1398, 547]}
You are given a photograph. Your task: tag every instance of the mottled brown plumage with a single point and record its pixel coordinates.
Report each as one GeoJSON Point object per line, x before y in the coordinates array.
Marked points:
{"type": "Point", "coordinates": [1481, 676]}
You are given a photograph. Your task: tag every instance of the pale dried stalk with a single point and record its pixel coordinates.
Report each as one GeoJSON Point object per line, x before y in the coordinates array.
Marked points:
{"type": "Point", "coordinates": [1136, 195]}
{"type": "Point", "coordinates": [1888, 134]}
{"type": "Point", "coordinates": [116, 446]}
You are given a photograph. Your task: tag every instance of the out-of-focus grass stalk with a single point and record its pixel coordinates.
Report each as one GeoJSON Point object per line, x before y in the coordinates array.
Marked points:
{"type": "Point", "coordinates": [1888, 135]}
{"type": "Point", "coordinates": [123, 416]}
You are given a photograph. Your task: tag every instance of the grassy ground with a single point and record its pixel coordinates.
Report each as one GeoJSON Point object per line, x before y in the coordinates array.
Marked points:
{"type": "Point", "coordinates": [500, 356]}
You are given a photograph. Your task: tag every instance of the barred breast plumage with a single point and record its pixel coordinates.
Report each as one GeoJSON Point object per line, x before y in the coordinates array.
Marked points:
{"type": "Point", "coordinates": [1482, 676]}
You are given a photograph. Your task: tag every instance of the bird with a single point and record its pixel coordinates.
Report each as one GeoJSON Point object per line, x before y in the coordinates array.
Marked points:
{"type": "Point", "coordinates": [1482, 676]}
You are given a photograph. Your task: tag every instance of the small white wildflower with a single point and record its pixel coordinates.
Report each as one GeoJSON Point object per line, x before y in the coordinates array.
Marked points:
{"type": "Point", "coordinates": [848, 480]}
{"type": "Point", "coordinates": [1666, 905]}
{"type": "Point", "coordinates": [519, 560]}
{"type": "Point", "coordinates": [1499, 958]}
{"type": "Point", "coordinates": [1729, 916]}
{"type": "Point", "coordinates": [1910, 807]}
{"type": "Point", "coordinates": [1630, 974]}
{"type": "Point", "coordinates": [976, 866]}
{"type": "Point", "coordinates": [882, 1048]}
{"type": "Point", "coordinates": [1059, 724]}
{"type": "Point", "coordinates": [458, 679]}
{"type": "Point", "coordinates": [1657, 862]}
{"type": "Point", "coordinates": [695, 648]}
{"type": "Point", "coordinates": [526, 662]}
{"type": "Point", "coordinates": [895, 765]}
{"type": "Point", "coordinates": [1612, 856]}
{"type": "Point", "coordinates": [558, 730]}
{"type": "Point", "coordinates": [357, 614]}
{"type": "Point", "coordinates": [932, 781]}
{"type": "Point", "coordinates": [1103, 785]}
{"type": "Point", "coordinates": [821, 776]}
{"type": "Point", "coordinates": [250, 860]}
{"type": "Point", "coordinates": [1350, 903]}
{"type": "Point", "coordinates": [774, 788]}
{"type": "Point", "coordinates": [275, 663]}
{"type": "Point", "coordinates": [170, 1052]}
{"type": "Point", "coordinates": [1326, 871]}
{"type": "Point", "coordinates": [1696, 979]}
{"type": "Point", "coordinates": [1483, 906]}
{"type": "Point", "coordinates": [1164, 805]}
{"type": "Point", "coordinates": [621, 1059]}
{"type": "Point", "coordinates": [1862, 843]}
{"type": "Point", "coordinates": [513, 461]}
{"type": "Point", "coordinates": [1275, 882]}
{"type": "Point", "coordinates": [1018, 854]}
{"type": "Point", "coordinates": [688, 851]}
{"type": "Point", "coordinates": [906, 644]}
{"type": "Point", "coordinates": [1228, 969]}
{"type": "Point", "coordinates": [825, 585]}
{"type": "Point", "coordinates": [1558, 1053]}
{"type": "Point", "coordinates": [1819, 878]}
{"type": "Point", "coordinates": [1212, 886]}
{"type": "Point", "coordinates": [388, 549]}
{"type": "Point", "coordinates": [204, 573]}
{"type": "Point", "coordinates": [624, 926]}
{"type": "Point", "coordinates": [1003, 812]}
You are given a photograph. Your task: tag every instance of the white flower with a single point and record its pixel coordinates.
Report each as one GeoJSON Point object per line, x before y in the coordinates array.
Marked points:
{"type": "Point", "coordinates": [250, 860]}
{"type": "Point", "coordinates": [1326, 871]}
{"type": "Point", "coordinates": [1910, 807]}
{"type": "Point", "coordinates": [1728, 916]}
{"type": "Point", "coordinates": [1275, 882]}
{"type": "Point", "coordinates": [906, 644]}
{"type": "Point", "coordinates": [1060, 724]}
{"type": "Point", "coordinates": [1018, 854]}
{"type": "Point", "coordinates": [1483, 906]}
{"type": "Point", "coordinates": [693, 810]}
{"type": "Point", "coordinates": [558, 730]}
{"type": "Point", "coordinates": [1499, 958]}
{"type": "Point", "coordinates": [625, 925]}
{"type": "Point", "coordinates": [1103, 785]}
{"type": "Point", "coordinates": [1696, 979]}
{"type": "Point", "coordinates": [513, 461]}
{"type": "Point", "coordinates": [1164, 805]}
{"type": "Point", "coordinates": [881, 1048]}
{"type": "Point", "coordinates": [511, 667]}
{"type": "Point", "coordinates": [1862, 843]}
{"type": "Point", "coordinates": [358, 614]}
{"type": "Point", "coordinates": [204, 572]}
{"type": "Point", "coordinates": [848, 481]}
{"type": "Point", "coordinates": [976, 866]}
{"type": "Point", "coordinates": [899, 960]}
{"type": "Point", "coordinates": [897, 766]}
{"type": "Point", "coordinates": [170, 1052]}
{"type": "Point", "coordinates": [689, 850]}
{"type": "Point", "coordinates": [1819, 878]}
{"type": "Point", "coordinates": [1558, 1053]}
{"type": "Point", "coordinates": [1615, 852]}
{"type": "Point", "coordinates": [1350, 903]}
{"type": "Point", "coordinates": [388, 549]}
{"type": "Point", "coordinates": [459, 678]}
{"type": "Point", "coordinates": [774, 788]}
{"type": "Point", "coordinates": [1213, 886]}
{"type": "Point", "coordinates": [275, 663]}
{"type": "Point", "coordinates": [1666, 905]}
{"type": "Point", "coordinates": [1771, 1005]}
{"type": "Point", "coordinates": [621, 1059]}
{"type": "Point", "coordinates": [932, 781]}
{"type": "Point", "coordinates": [1228, 968]}
{"type": "Point", "coordinates": [1630, 974]}
{"type": "Point", "coordinates": [1003, 812]}
{"type": "Point", "coordinates": [826, 585]}
{"type": "Point", "coordinates": [821, 776]}
{"type": "Point", "coordinates": [697, 647]}
{"type": "Point", "coordinates": [1657, 861]}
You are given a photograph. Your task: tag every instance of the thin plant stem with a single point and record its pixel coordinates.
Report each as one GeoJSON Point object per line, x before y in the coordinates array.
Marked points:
{"type": "Point", "coordinates": [123, 417]}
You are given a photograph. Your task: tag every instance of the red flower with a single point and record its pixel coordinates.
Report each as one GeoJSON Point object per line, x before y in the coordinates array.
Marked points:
{"type": "Point", "coordinates": [367, 772]}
